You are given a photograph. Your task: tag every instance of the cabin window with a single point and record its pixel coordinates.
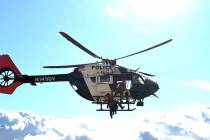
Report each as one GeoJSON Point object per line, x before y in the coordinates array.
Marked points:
{"type": "Point", "coordinates": [105, 79]}
{"type": "Point", "coordinates": [93, 79]}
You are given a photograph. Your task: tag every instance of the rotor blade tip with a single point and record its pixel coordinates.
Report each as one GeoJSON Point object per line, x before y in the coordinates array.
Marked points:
{"type": "Point", "coordinates": [170, 40]}
{"type": "Point", "coordinates": [62, 33]}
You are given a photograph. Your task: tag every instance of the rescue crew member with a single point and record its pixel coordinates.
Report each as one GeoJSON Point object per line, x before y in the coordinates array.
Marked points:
{"type": "Point", "coordinates": [121, 88]}
{"type": "Point", "coordinates": [112, 104]}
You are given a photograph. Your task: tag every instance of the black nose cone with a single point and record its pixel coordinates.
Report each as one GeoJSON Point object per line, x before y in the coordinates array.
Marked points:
{"type": "Point", "coordinates": [152, 86]}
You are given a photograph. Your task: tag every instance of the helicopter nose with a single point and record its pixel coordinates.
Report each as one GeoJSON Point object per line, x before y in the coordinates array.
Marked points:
{"type": "Point", "coordinates": [153, 86]}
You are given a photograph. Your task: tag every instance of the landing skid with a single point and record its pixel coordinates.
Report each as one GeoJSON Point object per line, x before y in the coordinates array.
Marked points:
{"type": "Point", "coordinates": [101, 109]}
{"type": "Point", "coordinates": [126, 101]}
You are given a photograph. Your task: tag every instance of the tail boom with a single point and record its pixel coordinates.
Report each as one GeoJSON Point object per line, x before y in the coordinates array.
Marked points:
{"type": "Point", "coordinates": [11, 78]}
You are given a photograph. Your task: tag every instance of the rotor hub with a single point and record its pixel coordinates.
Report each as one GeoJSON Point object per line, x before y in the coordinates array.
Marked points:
{"type": "Point", "coordinates": [6, 78]}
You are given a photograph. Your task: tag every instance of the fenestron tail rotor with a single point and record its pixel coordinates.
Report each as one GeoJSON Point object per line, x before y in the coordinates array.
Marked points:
{"type": "Point", "coordinates": [7, 77]}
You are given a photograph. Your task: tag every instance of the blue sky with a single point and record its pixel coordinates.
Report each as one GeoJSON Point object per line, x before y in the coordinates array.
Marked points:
{"type": "Point", "coordinates": [29, 34]}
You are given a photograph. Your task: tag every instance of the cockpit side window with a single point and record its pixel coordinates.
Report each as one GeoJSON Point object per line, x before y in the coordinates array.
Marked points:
{"type": "Point", "coordinates": [93, 79]}
{"type": "Point", "coordinates": [105, 79]}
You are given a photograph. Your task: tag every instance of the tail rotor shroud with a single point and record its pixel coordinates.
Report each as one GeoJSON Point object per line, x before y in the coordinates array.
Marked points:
{"type": "Point", "coordinates": [9, 74]}
{"type": "Point", "coordinates": [7, 77]}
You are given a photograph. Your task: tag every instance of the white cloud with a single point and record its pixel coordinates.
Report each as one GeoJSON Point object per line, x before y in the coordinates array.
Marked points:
{"type": "Point", "coordinates": [156, 9]}
{"type": "Point", "coordinates": [201, 84]}
{"type": "Point", "coordinates": [152, 10]}
{"type": "Point", "coordinates": [138, 12]}
{"type": "Point", "coordinates": [187, 123]}
{"type": "Point", "coordinates": [48, 136]}
{"type": "Point", "coordinates": [143, 29]}
{"type": "Point", "coordinates": [115, 12]}
{"type": "Point", "coordinates": [149, 9]}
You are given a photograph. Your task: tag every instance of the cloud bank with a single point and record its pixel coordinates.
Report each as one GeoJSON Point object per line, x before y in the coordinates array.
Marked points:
{"type": "Point", "coordinates": [187, 123]}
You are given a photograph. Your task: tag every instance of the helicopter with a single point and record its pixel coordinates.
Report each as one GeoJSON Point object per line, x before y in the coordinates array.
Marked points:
{"type": "Point", "coordinates": [92, 81]}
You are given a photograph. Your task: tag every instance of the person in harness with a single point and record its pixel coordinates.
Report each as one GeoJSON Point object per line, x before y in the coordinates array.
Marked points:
{"type": "Point", "coordinates": [112, 104]}
{"type": "Point", "coordinates": [121, 89]}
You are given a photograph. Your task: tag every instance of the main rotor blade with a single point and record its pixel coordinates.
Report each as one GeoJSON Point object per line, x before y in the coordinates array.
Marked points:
{"type": "Point", "coordinates": [145, 49]}
{"type": "Point", "coordinates": [69, 38]}
{"type": "Point", "coordinates": [147, 74]}
{"type": "Point", "coordinates": [68, 66]}
{"type": "Point", "coordinates": [155, 95]}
